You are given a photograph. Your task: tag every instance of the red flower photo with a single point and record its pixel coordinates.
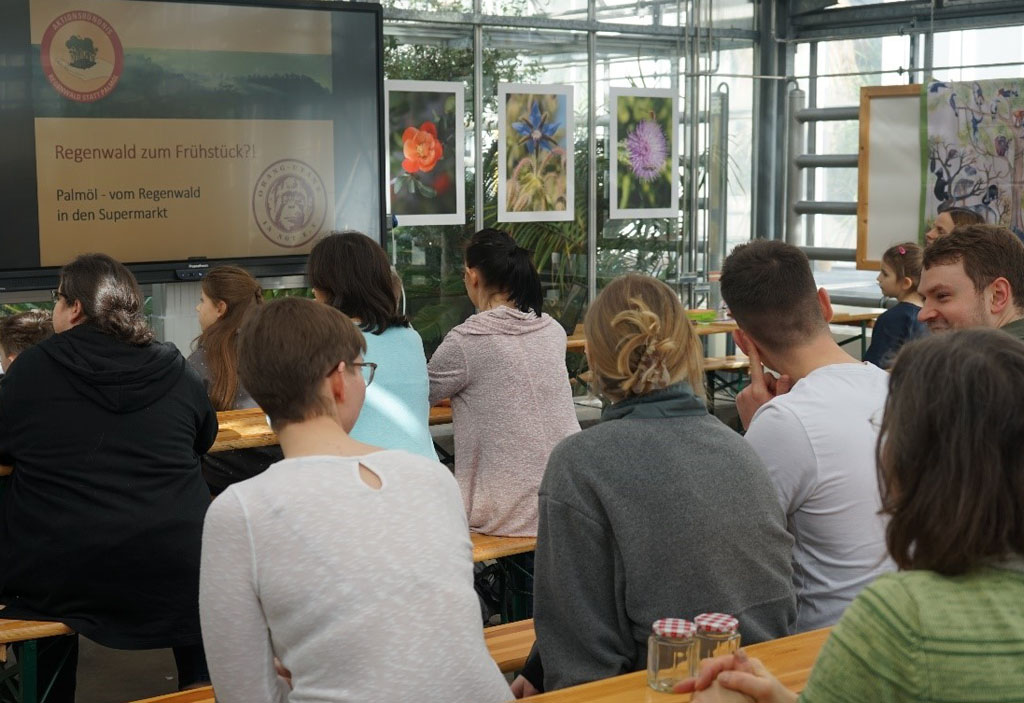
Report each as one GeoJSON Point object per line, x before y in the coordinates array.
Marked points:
{"type": "Point", "coordinates": [421, 148]}
{"type": "Point", "coordinates": [426, 171]}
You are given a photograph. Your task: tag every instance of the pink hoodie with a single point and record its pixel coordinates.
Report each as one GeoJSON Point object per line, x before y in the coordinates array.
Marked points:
{"type": "Point", "coordinates": [504, 371]}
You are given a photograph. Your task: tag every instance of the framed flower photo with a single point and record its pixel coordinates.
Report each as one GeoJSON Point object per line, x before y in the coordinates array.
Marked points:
{"type": "Point", "coordinates": [425, 135]}
{"type": "Point", "coordinates": [536, 164]}
{"type": "Point", "coordinates": [643, 136]}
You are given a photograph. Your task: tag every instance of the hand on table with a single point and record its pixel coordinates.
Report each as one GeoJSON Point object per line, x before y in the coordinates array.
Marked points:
{"type": "Point", "coordinates": [522, 687]}
{"type": "Point", "coordinates": [763, 387]}
{"type": "Point", "coordinates": [735, 678]}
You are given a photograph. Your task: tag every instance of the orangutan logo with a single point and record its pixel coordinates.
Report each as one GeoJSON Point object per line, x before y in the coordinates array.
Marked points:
{"type": "Point", "coordinates": [289, 203]}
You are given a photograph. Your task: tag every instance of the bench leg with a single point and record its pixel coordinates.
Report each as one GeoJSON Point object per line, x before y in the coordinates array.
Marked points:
{"type": "Point", "coordinates": [23, 679]}
{"type": "Point", "coordinates": [516, 587]}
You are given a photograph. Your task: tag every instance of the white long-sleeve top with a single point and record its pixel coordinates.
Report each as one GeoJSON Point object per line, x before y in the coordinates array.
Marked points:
{"type": "Point", "coordinates": [363, 594]}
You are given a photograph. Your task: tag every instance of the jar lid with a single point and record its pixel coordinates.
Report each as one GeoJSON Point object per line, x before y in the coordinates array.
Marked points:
{"type": "Point", "coordinates": [716, 622]}
{"type": "Point", "coordinates": [673, 627]}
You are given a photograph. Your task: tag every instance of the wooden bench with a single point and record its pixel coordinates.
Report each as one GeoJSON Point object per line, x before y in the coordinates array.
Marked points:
{"type": "Point", "coordinates": [24, 635]}
{"type": "Point", "coordinates": [492, 547]}
{"type": "Point", "coordinates": [509, 646]}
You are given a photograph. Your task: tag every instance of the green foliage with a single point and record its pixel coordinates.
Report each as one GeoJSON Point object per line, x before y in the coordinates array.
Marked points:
{"type": "Point", "coordinates": [276, 293]}
{"type": "Point", "coordinates": [14, 308]}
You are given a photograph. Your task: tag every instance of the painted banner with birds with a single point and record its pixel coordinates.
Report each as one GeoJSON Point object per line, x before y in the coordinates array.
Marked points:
{"type": "Point", "coordinates": [974, 150]}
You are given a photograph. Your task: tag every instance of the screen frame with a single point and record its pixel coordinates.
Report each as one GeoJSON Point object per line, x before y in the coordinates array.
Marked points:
{"type": "Point", "coordinates": [193, 268]}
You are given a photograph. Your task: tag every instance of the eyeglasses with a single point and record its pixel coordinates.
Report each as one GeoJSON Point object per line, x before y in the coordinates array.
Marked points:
{"type": "Point", "coordinates": [367, 369]}
{"type": "Point", "coordinates": [57, 295]}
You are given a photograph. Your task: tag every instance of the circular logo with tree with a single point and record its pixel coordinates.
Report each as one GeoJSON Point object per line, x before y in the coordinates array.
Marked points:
{"type": "Point", "coordinates": [289, 203]}
{"type": "Point", "coordinates": [82, 56]}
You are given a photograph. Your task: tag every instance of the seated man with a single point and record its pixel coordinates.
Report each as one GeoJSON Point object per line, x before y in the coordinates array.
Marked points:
{"type": "Point", "coordinates": [813, 426]}
{"type": "Point", "coordinates": [974, 278]}
{"type": "Point", "coordinates": [343, 572]}
{"type": "Point", "coordinates": [22, 330]}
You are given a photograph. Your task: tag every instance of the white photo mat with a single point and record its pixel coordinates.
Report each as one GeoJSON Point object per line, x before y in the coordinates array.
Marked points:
{"type": "Point", "coordinates": [614, 211]}
{"type": "Point", "coordinates": [564, 92]}
{"type": "Point", "coordinates": [437, 87]}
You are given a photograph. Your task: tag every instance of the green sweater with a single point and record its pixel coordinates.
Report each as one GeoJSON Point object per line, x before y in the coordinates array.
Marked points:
{"type": "Point", "coordinates": [920, 636]}
{"type": "Point", "coordinates": [1015, 329]}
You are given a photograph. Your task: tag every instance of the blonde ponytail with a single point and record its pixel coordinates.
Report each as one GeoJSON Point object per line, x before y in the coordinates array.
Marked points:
{"type": "Point", "coordinates": [639, 339]}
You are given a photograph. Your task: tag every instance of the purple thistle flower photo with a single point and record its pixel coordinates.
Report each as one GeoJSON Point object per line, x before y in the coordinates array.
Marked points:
{"type": "Point", "coordinates": [647, 150]}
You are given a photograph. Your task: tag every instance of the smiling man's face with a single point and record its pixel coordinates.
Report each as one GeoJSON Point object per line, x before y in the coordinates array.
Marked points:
{"type": "Point", "coordinates": [951, 302]}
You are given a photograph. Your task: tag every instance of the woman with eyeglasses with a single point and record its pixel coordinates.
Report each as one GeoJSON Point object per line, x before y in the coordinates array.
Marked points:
{"type": "Point", "coordinates": [350, 272]}
{"type": "Point", "coordinates": [343, 572]}
{"type": "Point", "coordinates": [103, 514]}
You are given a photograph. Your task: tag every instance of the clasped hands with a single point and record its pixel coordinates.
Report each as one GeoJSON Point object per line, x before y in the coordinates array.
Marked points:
{"type": "Point", "coordinates": [735, 678]}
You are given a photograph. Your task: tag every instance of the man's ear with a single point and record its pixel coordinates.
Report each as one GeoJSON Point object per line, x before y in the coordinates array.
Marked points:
{"type": "Point", "coordinates": [1000, 295]}
{"type": "Point", "coordinates": [742, 340]}
{"type": "Point", "coordinates": [826, 304]}
{"type": "Point", "coordinates": [77, 314]}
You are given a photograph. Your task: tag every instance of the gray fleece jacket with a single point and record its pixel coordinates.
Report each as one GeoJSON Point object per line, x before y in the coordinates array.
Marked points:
{"type": "Point", "coordinates": [659, 511]}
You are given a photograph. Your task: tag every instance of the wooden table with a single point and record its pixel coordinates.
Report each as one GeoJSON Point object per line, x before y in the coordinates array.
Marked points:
{"type": "Point", "coordinates": [25, 636]}
{"type": "Point", "coordinates": [242, 429]}
{"type": "Point", "coordinates": [789, 658]}
{"type": "Point", "coordinates": [491, 547]}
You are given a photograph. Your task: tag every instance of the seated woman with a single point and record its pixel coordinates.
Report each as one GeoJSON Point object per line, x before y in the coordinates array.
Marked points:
{"type": "Point", "coordinates": [350, 272]}
{"type": "Point", "coordinates": [228, 294]}
{"type": "Point", "coordinates": [949, 625]}
{"type": "Point", "coordinates": [349, 564]}
{"type": "Point", "coordinates": [504, 370]}
{"type": "Point", "coordinates": [658, 511]}
{"type": "Point", "coordinates": [103, 514]}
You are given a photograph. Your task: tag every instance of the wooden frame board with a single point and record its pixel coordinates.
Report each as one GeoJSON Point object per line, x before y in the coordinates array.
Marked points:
{"type": "Point", "coordinates": [899, 166]}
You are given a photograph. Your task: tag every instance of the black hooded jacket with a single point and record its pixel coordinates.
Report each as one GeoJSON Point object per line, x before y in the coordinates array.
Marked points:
{"type": "Point", "coordinates": [101, 522]}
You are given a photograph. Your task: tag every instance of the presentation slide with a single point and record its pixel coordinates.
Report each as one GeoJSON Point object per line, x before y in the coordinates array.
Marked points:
{"type": "Point", "coordinates": [162, 131]}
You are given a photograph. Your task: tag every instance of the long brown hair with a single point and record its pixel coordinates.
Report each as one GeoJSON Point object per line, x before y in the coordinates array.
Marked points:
{"type": "Point", "coordinates": [353, 272]}
{"type": "Point", "coordinates": [240, 292]}
{"type": "Point", "coordinates": [951, 451]}
{"type": "Point", "coordinates": [640, 340]}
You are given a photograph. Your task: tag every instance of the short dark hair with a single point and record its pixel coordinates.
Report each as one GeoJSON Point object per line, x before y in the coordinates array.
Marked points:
{"type": "Point", "coordinates": [771, 293]}
{"type": "Point", "coordinates": [506, 266]}
{"type": "Point", "coordinates": [110, 297]}
{"type": "Point", "coordinates": [287, 348]}
{"type": "Point", "coordinates": [950, 453]}
{"type": "Point", "coordinates": [26, 329]}
{"type": "Point", "coordinates": [354, 272]}
{"type": "Point", "coordinates": [987, 252]}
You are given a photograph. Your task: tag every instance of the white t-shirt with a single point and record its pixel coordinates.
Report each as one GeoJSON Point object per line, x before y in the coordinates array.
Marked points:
{"type": "Point", "coordinates": [818, 442]}
{"type": "Point", "coordinates": [363, 594]}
